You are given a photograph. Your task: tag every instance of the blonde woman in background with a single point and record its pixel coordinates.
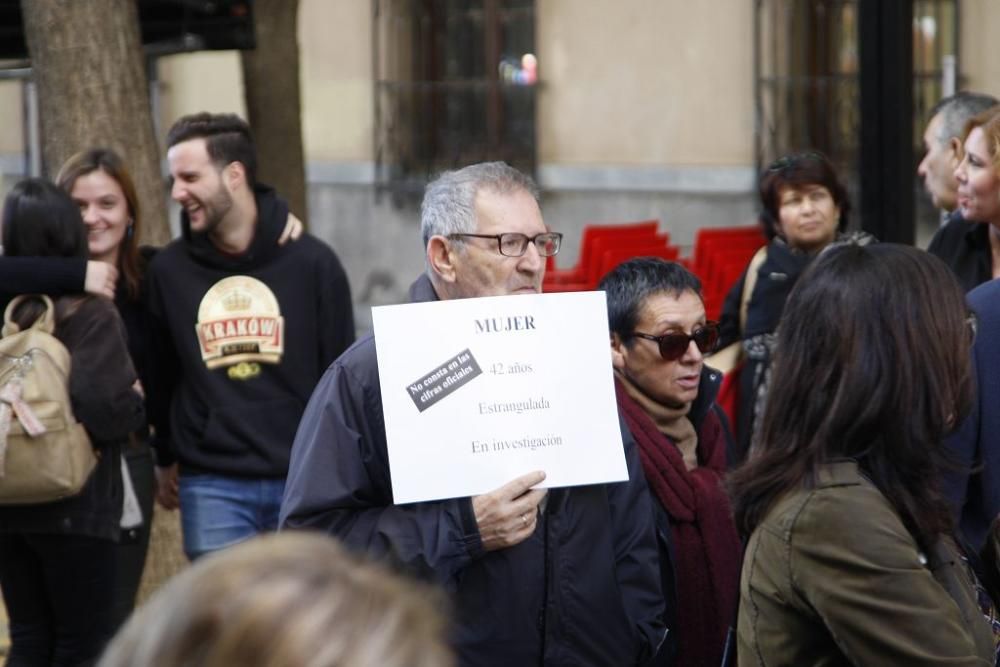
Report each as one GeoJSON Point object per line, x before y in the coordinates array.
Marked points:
{"type": "Point", "coordinates": [285, 600]}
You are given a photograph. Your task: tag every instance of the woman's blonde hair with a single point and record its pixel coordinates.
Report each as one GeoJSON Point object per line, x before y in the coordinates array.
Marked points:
{"type": "Point", "coordinates": [989, 120]}
{"type": "Point", "coordinates": [285, 600]}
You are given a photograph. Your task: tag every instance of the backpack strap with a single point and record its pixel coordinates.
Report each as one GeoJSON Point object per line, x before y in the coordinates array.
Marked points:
{"type": "Point", "coordinates": [731, 356]}
{"type": "Point", "coordinates": [749, 283]}
{"type": "Point", "coordinates": [46, 321]}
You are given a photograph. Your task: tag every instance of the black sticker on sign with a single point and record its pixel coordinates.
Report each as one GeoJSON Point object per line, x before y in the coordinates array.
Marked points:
{"type": "Point", "coordinates": [443, 380]}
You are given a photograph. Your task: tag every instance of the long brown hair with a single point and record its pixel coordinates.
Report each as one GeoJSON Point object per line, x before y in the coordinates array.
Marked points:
{"type": "Point", "coordinates": [106, 160]}
{"type": "Point", "coordinates": [872, 364]}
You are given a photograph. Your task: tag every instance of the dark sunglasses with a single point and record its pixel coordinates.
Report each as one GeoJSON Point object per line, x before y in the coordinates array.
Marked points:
{"type": "Point", "coordinates": [673, 345]}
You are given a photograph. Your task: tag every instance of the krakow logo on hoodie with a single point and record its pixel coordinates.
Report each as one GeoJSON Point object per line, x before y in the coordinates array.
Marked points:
{"type": "Point", "coordinates": [240, 323]}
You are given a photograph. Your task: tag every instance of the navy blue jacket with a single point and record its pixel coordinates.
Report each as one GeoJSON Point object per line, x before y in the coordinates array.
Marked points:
{"type": "Point", "coordinates": [975, 445]}
{"type": "Point", "coordinates": [584, 589]}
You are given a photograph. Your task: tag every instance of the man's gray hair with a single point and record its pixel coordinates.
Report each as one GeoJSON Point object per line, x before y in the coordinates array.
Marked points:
{"type": "Point", "coordinates": [449, 205]}
{"type": "Point", "coordinates": [957, 109]}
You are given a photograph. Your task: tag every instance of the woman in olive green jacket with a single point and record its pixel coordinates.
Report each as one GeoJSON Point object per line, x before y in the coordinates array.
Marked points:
{"type": "Point", "coordinates": [850, 559]}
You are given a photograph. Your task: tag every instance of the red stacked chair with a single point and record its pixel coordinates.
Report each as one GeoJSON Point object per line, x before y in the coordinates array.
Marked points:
{"type": "Point", "coordinates": [597, 240]}
{"type": "Point", "coordinates": [720, 256]}
{"type": "Point", "coordinates": [612, 257]}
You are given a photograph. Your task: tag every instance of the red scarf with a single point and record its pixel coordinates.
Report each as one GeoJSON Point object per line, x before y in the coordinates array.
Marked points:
{"type": "Point", "coordinates": [707, 548]}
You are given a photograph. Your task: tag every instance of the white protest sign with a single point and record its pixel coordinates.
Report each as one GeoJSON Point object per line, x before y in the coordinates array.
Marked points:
{"type": "Point", "coordinates": [476, 392]}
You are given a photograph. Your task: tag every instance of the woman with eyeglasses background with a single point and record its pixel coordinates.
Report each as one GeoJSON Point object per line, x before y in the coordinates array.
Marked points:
{"type": "Point", "coordinates": [851, 558]}
{"type": "Point", "coordinates": [804, 207]}
{"type": "Point", "coordinates": [666, 395]}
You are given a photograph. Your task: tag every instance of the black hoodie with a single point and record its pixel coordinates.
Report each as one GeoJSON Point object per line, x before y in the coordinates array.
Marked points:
{"type": "Point", "coordinates": [239, 342]}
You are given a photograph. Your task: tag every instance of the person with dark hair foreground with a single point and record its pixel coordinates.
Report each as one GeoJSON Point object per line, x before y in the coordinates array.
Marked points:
{"type": "Point", "coordinates": [57, 559]}
{"type": "Point", "coordinates": [287, 600]}
{"type": "Point", "coordinates": [804, 206]}
{"type": "Point", "coordinates": [850, 558]}
{"type": "Point", "coordinates": [666, 395]}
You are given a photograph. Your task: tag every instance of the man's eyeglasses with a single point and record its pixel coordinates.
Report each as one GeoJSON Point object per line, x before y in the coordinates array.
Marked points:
{"type": "Point", "coordinates": [673, 345]}
{"type": "Point", "coordinates": [794, 160]}
{"type": "Point", "coordinates": [514, 244]}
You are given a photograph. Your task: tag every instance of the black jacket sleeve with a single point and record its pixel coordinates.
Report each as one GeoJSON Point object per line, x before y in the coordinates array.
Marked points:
{"type": "Point", "coordinates": [336, 311]}
{"type": "Point", "coordinates": [636, 553]}
{"type": "Point", "coordinates": [161, 372]}
{"type": "Point", "coordinates": [55, 276]}
{"type": "Point", "coordinates": [101, 374]}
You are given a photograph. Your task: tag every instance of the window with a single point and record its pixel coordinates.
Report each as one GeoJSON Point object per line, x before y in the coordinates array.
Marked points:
{"type": "Point", "coordinates": [455, 83]}
{"type": "Point", "coordinates": [806, 67]}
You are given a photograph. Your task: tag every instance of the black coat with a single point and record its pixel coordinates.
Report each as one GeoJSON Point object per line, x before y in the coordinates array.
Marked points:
{"type": "Point", "coordinates": [584, 589]}
{"type": "Point", "coordinates": [54, 276]}
{"type": "Point", "coordinates": [965, 248]}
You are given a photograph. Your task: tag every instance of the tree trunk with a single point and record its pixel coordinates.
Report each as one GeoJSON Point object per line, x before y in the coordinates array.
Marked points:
{"type": "Point", "coordinates": [273, 100]}
{"type": "Point", "coordinates": [88, 64]}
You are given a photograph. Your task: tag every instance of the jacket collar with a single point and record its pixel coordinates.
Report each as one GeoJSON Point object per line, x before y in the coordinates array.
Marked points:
{"type": "Point", "coordinates": [422, 290]}
{"type": "Point", "coordinates": [839, 472]}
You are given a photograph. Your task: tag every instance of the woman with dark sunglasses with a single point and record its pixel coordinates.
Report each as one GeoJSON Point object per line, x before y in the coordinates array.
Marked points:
{"type": "Point", "coordinates": [804, 207]}
{"type": "Point", "coordinates": [666, 395]}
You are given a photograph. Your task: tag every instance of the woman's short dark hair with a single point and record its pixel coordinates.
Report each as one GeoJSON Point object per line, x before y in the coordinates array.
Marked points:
{"type": "Point", "coordinates": [631, 283]}
{"type": "Point", "coordinates": [795, 171]}
{"type": "Point", "coordinates": [41, 220]}
{"type": "Point", "coordinates": [872, 364]}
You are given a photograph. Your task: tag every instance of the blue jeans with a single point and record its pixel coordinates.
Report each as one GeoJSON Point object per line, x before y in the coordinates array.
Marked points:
{"type": "Point", "coordinates": [217, 511]}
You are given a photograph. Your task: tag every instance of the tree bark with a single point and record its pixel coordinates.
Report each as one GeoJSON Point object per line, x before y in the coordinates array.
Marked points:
{"type": "Point", "coordinates": [273, 100]}
{"type": "Point", "coordinates": [88, 65]}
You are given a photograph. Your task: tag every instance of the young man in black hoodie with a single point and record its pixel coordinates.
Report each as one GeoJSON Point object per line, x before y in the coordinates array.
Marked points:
{"type": "Point", "coordinates": [243, 329]}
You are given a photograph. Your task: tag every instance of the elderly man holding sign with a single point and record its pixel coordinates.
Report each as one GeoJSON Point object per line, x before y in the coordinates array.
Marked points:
{"type": "Point", "coordinates": [557, 576]}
